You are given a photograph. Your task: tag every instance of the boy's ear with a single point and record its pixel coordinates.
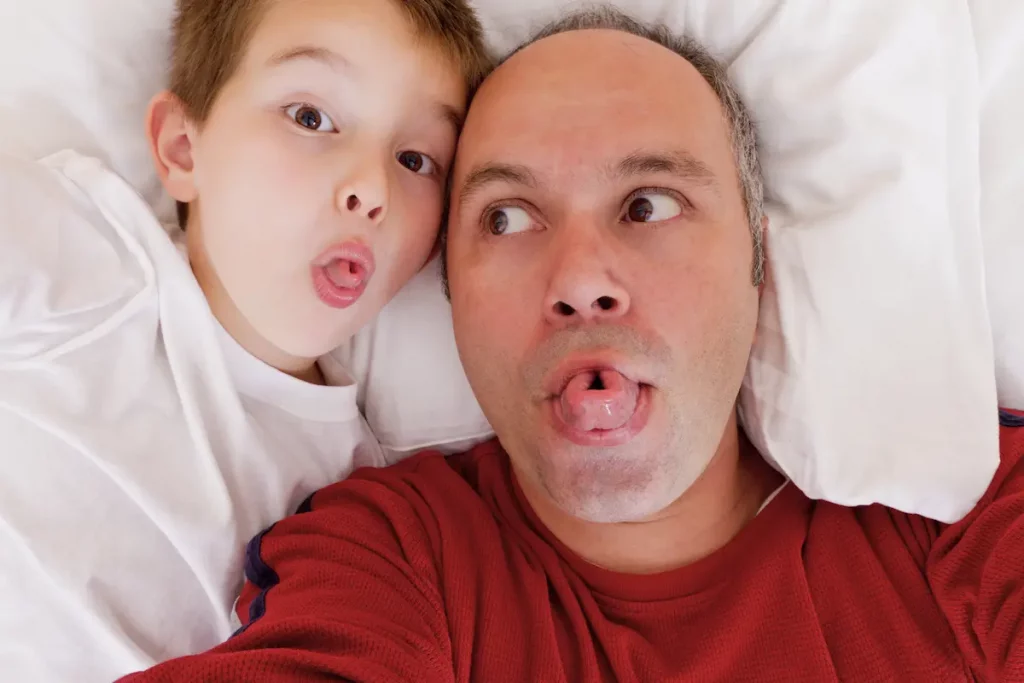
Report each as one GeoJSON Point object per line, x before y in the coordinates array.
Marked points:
{"type": "Point", "coordinates": [170, 142]}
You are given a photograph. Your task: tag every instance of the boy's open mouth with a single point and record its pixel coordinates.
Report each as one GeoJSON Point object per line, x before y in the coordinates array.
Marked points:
{"type": "Point", "coordinates": [342, 273]}
{"type": "Point", "coordinates": [345, 274]}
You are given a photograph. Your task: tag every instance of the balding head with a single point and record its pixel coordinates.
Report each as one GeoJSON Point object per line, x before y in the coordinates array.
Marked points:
{"type": "Point", "coordinates": [600, 231]}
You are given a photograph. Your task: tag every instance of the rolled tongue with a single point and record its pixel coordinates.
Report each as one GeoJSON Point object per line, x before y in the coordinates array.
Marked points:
{"type": "Point", "coordinates": [608, 406]}
{"type": "Point", "coordinates": [344, 273]}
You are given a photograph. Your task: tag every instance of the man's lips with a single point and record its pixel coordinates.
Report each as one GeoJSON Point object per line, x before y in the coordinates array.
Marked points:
{"type": "Point", "coordinates": [602, 400]}
{"type": "Point", "coordinates": [626, 420]}
{"type": "Point", "coordinates": [556, 381]}
{"type": "Point", "coordinates": [595, 403]}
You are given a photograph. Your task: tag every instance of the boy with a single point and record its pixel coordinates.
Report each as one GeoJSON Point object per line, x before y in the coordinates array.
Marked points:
{"type": "Point", "coordinates": [161, 399]}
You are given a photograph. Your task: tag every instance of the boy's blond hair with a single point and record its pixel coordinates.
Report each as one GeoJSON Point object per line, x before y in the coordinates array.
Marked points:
{"type": "Point", "coordinates": [211, 36]}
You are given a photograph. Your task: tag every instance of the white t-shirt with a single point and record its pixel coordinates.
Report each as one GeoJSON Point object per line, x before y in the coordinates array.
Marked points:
{"type": "Point", "coordinates": [140, 446]}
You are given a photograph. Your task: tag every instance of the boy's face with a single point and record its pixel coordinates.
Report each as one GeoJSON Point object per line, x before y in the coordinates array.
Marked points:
{"type": "Point", "coordinates": [318, 177]}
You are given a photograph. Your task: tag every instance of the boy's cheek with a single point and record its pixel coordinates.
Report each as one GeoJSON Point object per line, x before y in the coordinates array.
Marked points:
{"type": "Point", "coordinates": [416, 213]}
{"type": "Point", "coordinates": [414, 254]}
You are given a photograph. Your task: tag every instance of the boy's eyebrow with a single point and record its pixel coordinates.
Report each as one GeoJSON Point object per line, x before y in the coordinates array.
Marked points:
{"type": "Point", "coordinates": [451, 115]}
{"type": "Point", "coordinates": [337, 62]}
{"type": "Point", "coordinates": [311, 52]}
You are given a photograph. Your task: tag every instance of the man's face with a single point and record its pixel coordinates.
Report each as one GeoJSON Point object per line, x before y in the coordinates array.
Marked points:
{"type": "Point", "coordinates": [600, 269]}
{"type": "Point", "coordinates": [320, 173]}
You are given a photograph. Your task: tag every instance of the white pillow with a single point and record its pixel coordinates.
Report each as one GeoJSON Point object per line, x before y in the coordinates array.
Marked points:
{"type": "Point", "coordinates": [999, 31]}
{"type": "Point", "coordinates": [80, 75]}
{"type": "Point", "coordinates": [873, 377]}
{"type": "Point", "coordinates": [412, 388]}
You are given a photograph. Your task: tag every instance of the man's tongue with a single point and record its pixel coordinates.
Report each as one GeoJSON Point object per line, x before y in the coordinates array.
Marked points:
{"type": "Point", "coordinates": [599, 400]}
{"type": "Point", "coordinates": [345, 274]}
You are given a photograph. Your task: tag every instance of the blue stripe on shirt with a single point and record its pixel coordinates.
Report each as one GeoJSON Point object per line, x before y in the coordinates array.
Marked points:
{"type": "Point", "coordinates": [260, 574]}
{"type": "Point", "coordinates": [1010, 420]}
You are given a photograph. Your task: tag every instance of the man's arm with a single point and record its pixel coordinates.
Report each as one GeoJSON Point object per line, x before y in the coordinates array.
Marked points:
{"type": "Point", "coordinates": [976, 568]}
{"type": "Point", "coordinates": [346, 589]}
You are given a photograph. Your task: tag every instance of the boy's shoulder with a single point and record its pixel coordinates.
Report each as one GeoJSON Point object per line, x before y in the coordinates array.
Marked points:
{"type": "Point", "coordinates": [72, 256]}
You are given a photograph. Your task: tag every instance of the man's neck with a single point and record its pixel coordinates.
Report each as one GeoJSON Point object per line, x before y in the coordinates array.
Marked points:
{"type": "Point", "coordinates": [706, 517]}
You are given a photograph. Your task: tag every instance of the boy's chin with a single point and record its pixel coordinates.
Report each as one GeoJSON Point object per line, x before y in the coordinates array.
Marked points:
{"type": "Point", "coordinates": [315, 341]}
{"type": "Point", "coordinates": [288, 343]}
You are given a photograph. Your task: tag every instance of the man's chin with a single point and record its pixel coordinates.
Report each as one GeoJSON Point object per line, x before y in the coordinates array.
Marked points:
{"type": "Point", "coordinates": [606, 485]}
{"type": "Point", "coordinates": [614, 506]}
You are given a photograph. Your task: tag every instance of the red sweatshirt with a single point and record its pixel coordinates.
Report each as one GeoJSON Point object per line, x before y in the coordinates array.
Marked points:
{"type": "Point", "coordinates": [437, 570]}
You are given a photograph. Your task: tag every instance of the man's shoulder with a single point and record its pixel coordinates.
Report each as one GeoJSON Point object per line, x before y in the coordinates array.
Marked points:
{"type": "Point", "coordinates": [432, 463]}
{"type": "Point", "coordinates": [1010, 474]}
{"type": "Point", "coordinates": [1011, 419]}
{"type": "Point", "coordinates": [429, 482]}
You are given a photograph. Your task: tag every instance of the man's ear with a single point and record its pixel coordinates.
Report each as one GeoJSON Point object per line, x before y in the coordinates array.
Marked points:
{"type": "Point", "coordinates": [764, 252]}
{"type": "Point", "coordinates": [170, 134]}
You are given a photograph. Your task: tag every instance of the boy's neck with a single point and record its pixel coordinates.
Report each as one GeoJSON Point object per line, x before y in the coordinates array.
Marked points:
{"type": "Point", "coordinates": [236, 325]}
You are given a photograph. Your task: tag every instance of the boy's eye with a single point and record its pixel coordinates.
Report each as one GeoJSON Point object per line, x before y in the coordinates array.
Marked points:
{"type": "Point", "coordinates": [651, 206]}
{"type": "Point", "coordinates": [311, 118]}
{"type": "Point", "coordinates": [417, 163]}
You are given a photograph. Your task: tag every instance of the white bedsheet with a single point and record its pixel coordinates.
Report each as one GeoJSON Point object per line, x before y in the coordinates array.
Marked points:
{"type": "Point", "coordinates": [999, 34]}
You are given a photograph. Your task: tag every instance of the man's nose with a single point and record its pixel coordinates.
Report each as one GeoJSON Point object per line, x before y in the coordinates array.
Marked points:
{"type": "Point", "coordinates": [364, 191]}
{"type": "Point", "coordinates": [584, 285]}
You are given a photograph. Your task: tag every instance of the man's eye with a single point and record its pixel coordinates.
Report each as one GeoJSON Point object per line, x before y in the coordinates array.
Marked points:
{"type": "Point", "coordinates": [311, 118]}
{"type": "Point", "coordinates": [417, 163]}
{"type": "Point", "coordinates": [507, 220]}
{"type": "Point", "coordinates": [650, 206]}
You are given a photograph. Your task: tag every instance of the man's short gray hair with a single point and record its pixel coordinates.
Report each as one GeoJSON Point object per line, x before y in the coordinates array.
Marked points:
{"type": "Point", "coordinates": [741, 124]}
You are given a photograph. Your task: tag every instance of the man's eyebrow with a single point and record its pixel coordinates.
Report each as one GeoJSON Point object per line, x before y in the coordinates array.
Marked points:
{"type": "Point", "coordinates": [482, 176]}
{"type": "Point", "coordinates": [313, 53]}
{"type": "Point", "coordinates": [678, 163]}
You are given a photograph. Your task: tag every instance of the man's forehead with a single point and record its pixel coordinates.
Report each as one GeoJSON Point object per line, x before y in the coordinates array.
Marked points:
{"type": "Point", "coordinates": [583, 60]}
{"type": "Point", "coordinates": [577, 100]}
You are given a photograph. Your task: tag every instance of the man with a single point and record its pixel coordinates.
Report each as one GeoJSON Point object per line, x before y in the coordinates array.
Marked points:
{"type": "Point", "coordinates": [605, 263]}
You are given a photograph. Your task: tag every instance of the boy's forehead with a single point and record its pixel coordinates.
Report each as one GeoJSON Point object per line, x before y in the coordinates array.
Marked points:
{"type": "Point", "coordinates": [354, 36]}
{"type": "Point", "coordinates": [285, 24]}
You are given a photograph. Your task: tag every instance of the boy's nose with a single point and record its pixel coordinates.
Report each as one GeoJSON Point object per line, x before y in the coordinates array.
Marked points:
{"type": "Point", "coordinates": [356, 205]}
{"type": "Point", "coordinates": [365, 194]}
